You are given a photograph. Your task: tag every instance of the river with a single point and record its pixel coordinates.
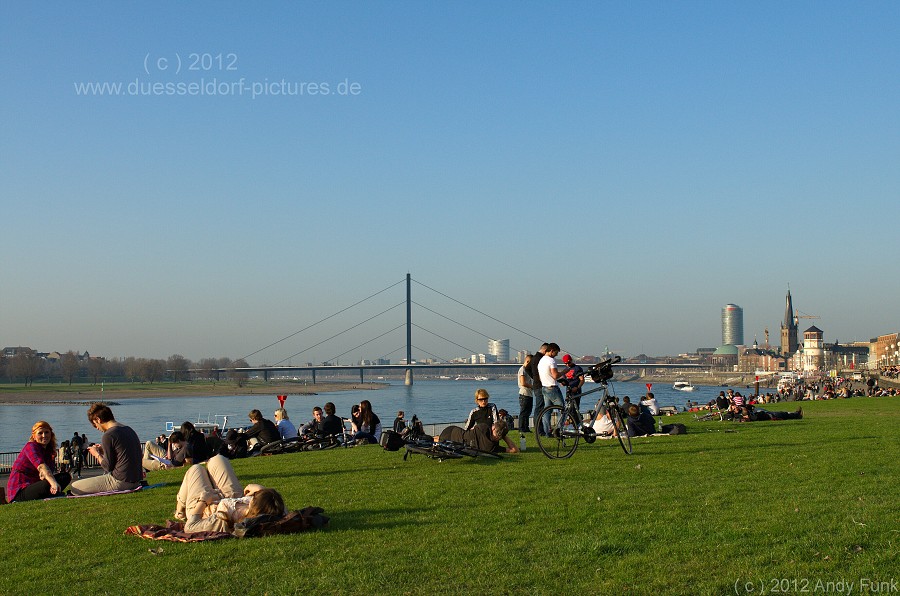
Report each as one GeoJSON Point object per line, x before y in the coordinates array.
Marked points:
{"type": "Point", "coordinates": [434, 401]}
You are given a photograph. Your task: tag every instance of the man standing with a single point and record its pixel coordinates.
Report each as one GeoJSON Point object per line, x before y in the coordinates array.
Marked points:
{"type": "Point", "coordinates": [119, 454]}
{"type": "Point", "coordinates": [526, 397]}
{"type": "Point", "coordinates": [573, 378]}
{"type": "Point", "coordinates": [536, 390]}
{"type": "Point", "coordinates": [549, 375]}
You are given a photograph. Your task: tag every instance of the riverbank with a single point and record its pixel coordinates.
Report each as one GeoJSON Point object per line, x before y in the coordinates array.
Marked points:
{"type": "Point", "coordinates": [84, 394]}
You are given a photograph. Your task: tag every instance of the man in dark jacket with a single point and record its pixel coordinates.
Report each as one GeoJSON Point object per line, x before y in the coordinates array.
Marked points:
{"type": "Point", "coordinates": [263, 430]}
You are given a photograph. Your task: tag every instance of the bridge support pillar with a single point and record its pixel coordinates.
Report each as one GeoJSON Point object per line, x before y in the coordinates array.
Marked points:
{"type": "Point", "coordinates": [361, 380]}
{"type": "Point", "coordinates": [266, 376]}
{"type": "Point", "coordinates": [314, 376]}
{"type": "Point", "coordinates": [409, 377]}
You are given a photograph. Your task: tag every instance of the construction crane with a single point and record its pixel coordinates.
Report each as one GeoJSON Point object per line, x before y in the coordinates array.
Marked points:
{"type": "Point", "coordinates": [803, 316]}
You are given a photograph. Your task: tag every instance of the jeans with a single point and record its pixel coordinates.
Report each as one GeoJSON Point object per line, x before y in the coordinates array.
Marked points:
{"type": "Point", "coordinates": [552, 396]}
{"type": "Point", "coordinates": [538, 394]}
{"type": "Point", "coordinates": [525, 401]}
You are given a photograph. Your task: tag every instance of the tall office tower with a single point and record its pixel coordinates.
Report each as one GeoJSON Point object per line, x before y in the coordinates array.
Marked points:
{"type": "Point", "coordinates": [499, 348]}
{"type": "Point", "coordinates": [732, 325]}
{"type": "Point", "coordinates": [789, 340]}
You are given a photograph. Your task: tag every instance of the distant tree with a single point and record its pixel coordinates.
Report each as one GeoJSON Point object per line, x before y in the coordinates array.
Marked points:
{"type": "Point", "coordinates": [96, 367]}
{"type": "Point", "coordinates": [114, 368]}
{"type": "Point", "coordinates": [238, 376]}
{"type": "Point", "coordinates": [69, 366]}
{"type": "Point", "coordinates": [3, 366]}
{"type": "Point", "coordinates": [208, 368]}
{"type": "Point", "coordinates": [178, 366]}
{"type": "Point", "coordinates": [25, 365]}
{"type": "Point", "coordinates": [152, 370]}
{"type": "Point", "coordinates": [132, 368]}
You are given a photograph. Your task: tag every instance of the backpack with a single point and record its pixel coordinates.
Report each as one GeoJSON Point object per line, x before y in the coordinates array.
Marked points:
{"type": "Point", "coordinates": [674, 429]}
{"type": "Point", "coordinates": [391, 440]}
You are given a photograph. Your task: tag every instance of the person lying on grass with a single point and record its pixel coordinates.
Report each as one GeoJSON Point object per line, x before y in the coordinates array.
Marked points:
{"type": "Point", "coordinates": [751, 414]}
{"type": "Point", "coordinates": [482, 437]}
{"type": "Point", "coordinates": [211, 498]}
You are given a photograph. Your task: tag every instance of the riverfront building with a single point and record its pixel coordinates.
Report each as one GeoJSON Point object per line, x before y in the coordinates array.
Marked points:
{"type": "Point", "coordinates": [732, 325]}
{"type": "Point", "coordinates": [499, 349]}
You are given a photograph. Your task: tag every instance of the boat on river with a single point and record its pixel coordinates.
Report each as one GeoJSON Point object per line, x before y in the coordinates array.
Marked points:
{"type": "Point", "coordinates": [205, 425]}
{"type": "Point", "coordinates": [683, 386]}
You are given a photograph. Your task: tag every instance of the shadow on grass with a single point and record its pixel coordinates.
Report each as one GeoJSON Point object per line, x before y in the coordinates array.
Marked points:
{"type": "Point", "coordinates": [382, 519]}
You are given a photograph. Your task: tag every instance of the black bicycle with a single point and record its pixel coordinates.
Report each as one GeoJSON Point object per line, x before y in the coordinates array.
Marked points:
{"type": "Point", "coordinates": [567, 425]}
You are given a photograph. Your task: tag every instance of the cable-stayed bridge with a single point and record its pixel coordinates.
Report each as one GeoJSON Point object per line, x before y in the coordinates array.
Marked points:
{"type": "Point", "coordinates": [415, 357]}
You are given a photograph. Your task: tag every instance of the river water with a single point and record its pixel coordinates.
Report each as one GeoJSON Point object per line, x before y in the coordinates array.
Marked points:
{"type": "Point", "coordinates": [434, 401]}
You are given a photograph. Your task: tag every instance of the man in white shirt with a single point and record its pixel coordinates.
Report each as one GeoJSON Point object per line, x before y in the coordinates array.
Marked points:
{"type": "Point", "coordinates": [549, 386]}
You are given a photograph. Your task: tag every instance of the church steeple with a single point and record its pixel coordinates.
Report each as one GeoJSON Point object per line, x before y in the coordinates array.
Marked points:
{"type": "Point", "coordinates": [789, 341]}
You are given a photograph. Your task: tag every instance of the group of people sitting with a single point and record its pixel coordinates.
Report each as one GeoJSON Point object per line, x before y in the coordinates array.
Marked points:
{"type": "Point", "coordinates": [739, 408]}
{"type": "Point", "coordinates": [210, 498]}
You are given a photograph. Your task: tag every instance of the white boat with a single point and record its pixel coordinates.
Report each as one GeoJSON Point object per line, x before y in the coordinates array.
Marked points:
{"type": "Point", "coordinates": [204, 425]}
{"type": "Point", "coordinates": [683, 386]}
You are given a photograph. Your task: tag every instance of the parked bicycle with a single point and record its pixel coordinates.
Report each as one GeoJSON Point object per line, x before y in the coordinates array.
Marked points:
{"type": "Point", "coordinates": [567, 425]}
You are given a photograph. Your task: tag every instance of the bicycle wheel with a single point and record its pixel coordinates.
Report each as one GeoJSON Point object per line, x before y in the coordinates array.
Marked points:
{"type": "Point", "coordinates": [433, 452]}
{"type": "Point", "coordinates": [564, 430]}
{"type": "Point", "coordinates": [621, 430]}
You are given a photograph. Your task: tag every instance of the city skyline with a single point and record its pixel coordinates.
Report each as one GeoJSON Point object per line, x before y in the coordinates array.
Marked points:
{"type": "Point", "coordinates": [182, 179]}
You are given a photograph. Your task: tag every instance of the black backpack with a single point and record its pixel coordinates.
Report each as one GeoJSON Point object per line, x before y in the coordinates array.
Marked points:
{"type": "Point", "coordinates": [391, 441]}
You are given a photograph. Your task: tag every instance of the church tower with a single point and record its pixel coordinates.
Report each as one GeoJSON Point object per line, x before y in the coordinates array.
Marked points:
{"type": "Point", "coordinates": [789, 328]}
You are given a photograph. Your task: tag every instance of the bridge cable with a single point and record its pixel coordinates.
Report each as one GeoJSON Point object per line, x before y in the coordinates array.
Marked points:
{"type": "Point", "coordinates": [470, 350]}
{"type": "Point", "coordinates": [478, 311]}
{"type": "Point", "coordinates": [340, 333]}
{"type": "Point", "coordinates": [320, 321]}
{"type": "Point", "coordinates": [460, 324]}
{"type": "Point", "coordinates": [366, 342]}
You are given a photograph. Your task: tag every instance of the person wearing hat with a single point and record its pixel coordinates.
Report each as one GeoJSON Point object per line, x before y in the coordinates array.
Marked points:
{"type": "Point", "coordinates": [573, 378]}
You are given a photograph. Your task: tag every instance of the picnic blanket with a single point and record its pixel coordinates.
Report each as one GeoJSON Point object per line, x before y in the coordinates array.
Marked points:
{"type": "Point", "coordinates": [307, 519]}
{"type": "Point", "coordinates": [113, 492]}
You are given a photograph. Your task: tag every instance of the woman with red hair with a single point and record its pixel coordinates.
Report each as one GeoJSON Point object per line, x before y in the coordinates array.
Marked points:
{"type": "Point", "coordinates": [33, 474]}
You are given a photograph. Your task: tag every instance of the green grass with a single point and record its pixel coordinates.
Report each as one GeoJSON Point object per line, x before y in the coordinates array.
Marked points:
{"type": "Point", "coordinates": [814, 499]}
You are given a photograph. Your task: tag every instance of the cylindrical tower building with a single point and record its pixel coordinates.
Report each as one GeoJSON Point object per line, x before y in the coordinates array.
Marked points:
{"type": "Point", "coordinates": [732, 325]}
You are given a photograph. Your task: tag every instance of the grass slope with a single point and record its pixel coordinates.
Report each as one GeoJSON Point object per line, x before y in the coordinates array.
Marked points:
{"type": "Point", "coordinates": [809, 500]}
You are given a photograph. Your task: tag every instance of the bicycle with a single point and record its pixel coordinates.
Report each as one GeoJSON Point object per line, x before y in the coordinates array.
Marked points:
{"type": "Point", "coordinates": [442, 450]}
{"type": "Point", "coordinates": [567, 425]}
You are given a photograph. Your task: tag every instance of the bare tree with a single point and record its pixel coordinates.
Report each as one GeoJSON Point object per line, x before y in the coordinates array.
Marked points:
{"type": "Point", "coordinates": [152, 370]}
{"type": "Point", "coordinates": [69, 366]}
{"type": "Point", "coordinates": [178, 367]}
{"type": "Point", "coordinates": [96, 368]}
{"type": "Point", "coordinates": [132, 368]}
{"type": "Point", "coordinates": [239, 376]}
{"type": "Point", "coordinates": [208, 367]}
{"type": "Point", "coordinates": [25, 365]}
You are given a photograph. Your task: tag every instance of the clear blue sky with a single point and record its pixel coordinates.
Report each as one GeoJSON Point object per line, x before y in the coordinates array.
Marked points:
{"type": "Point", "coordinates": [598, 174]}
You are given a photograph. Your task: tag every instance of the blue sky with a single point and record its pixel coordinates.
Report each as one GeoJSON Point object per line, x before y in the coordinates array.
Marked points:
{"type": "Point", "coordinates": [598, 174]}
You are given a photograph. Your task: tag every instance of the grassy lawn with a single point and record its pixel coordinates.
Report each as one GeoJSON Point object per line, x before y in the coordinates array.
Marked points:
{"type": "Point", "coordinates": [796, 501]}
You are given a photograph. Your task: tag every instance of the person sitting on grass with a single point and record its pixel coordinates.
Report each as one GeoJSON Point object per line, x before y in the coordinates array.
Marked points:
{"type": "Point", "coordinates": [157, 457]}
{"type": "Point", "coordinates": [119, 454]}
{"type": "Point", "coordinates": [211, 498]}
{"type": "Point", "coordinates": [639, 422]}
{"type": "Point", "coordinates": [195, 449]}
{"type": "Point", "coordinates": [331, 425]}
{"type": "Point", "coordinates": [286, 428]}
{"type": "Point", "coordinates": [311, 428]}
{"type": "Point", "coordinates": [484, 413]}
{"type": "Point", "coordinates": [263, 431]}
{"type": "Point", "coordinates": [33, 474]}
{"type": "Point", "coordinates": [367, 423]}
